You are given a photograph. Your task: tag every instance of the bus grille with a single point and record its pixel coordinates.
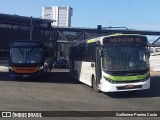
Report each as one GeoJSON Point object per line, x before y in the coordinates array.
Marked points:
{"type": "Point", "coordinates": [25, 70]}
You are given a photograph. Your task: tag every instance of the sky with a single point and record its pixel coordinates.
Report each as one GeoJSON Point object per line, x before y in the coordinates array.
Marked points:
{"type": "Point", "coordinates": [133, 14]}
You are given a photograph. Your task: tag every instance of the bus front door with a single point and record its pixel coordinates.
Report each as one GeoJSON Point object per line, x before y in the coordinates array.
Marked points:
{"type": "Point", "coordinates": [98, 65]}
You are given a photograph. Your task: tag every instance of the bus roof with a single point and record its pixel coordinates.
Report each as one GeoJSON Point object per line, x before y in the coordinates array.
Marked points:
{"type": "Point", "coordinates": [23, 43]}
{"type": "Point", "coordinates": [26, 40]}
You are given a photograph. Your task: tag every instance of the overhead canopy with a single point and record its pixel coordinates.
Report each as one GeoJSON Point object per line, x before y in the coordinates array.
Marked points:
{"type": "Point", "coordinates": [22, 20]}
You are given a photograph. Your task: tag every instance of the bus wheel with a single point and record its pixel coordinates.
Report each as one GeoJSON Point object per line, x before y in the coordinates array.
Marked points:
{"type": "Point", "coordinates": [76, 77]}
{"type": "Point", "coordinates": [46, 69]}
{"type": "Point", "coordinates": [50, 69]}
{"type": "Point", "coordinates": [94, 85]}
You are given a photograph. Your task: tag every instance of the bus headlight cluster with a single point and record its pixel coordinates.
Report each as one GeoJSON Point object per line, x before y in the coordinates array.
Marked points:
{"type": "Point", "coordinates": [10, 68]}
{"type": "Point", "coordinates": [41, 67]}
{"type": "Point", "coordinates": [145, 79]}
{"type": "Point", "coordinates": [109, 80]}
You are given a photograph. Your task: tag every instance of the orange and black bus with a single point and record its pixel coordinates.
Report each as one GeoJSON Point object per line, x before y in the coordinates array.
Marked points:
{"type": "Point", "coordinates": [27, 58]}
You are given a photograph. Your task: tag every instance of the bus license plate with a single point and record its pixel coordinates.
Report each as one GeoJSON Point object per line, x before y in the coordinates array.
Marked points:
{"type": "Point", "coordinates": [130, 86]}
{"type": "Point", "coordinates": [25, 75]}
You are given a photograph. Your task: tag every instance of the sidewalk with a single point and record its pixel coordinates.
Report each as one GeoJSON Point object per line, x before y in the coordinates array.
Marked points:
{"type": "Point", "coordinates": [154, 73]}
{"type": "Point", "coordinates": [155, 63]}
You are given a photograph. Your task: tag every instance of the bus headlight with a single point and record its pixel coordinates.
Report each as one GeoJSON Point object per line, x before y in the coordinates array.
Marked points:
{"type": "Point", "coordinates": [109, 80]}
{"type": "Point", "coordinates": [10, 68]}
{"type": "Point", "coordinates": [41, 67]}
{"type": "Point", "coordinates": [145, 79]}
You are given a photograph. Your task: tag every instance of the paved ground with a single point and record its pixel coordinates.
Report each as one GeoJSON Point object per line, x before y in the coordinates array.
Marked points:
{"type": "Point", "coordinates": [59, 93]}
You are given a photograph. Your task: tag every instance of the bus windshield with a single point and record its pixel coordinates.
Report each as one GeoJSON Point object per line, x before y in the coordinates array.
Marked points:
{"type": "Point", "coordinates": [124, 58]}
{"type": "Point", "coordinates": [26, 55]}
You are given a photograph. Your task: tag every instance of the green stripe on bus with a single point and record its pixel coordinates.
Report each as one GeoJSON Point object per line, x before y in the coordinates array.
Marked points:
{"type": "Point", "coordinates": [127, 78]}
{"type": "Point", "coordinates": [120, 34]}
{"type": "Point", "coordinates": [92, 40]}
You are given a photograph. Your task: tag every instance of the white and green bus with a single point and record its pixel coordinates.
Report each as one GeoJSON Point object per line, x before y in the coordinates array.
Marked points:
{"type": "Point", "coordinates": [118, 62]}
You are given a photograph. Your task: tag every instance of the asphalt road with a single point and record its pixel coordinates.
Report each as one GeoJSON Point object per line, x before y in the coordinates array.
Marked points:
{"type": "Point", "coordinates": [59, 93]}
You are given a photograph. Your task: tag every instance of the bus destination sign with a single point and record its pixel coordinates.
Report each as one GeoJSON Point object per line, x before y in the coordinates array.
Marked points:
{"type": "Point", "coordinates": [125, 40]}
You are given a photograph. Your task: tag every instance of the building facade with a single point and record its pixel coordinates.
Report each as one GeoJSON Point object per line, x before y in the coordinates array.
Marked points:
{"type": "Point", "coordinates": [61, 16]}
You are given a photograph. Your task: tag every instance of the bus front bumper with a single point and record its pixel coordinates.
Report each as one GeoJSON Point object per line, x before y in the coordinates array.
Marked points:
{"type": "Point", "coordinates": [110, 87]}
{"type": "Point", "coordinates": [13, 74]}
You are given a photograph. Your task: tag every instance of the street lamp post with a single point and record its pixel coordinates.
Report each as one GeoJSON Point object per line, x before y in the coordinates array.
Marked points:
{"type": "Point", "coordinates": [31, 25]}
{"type": "Point", "coordinates": [30, 29]}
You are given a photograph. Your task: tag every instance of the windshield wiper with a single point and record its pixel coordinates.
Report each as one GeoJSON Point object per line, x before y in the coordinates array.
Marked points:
{"type": "Point", "coordinates": [30, 51]}
{"type": "Point", "coordinates": [20, 51]}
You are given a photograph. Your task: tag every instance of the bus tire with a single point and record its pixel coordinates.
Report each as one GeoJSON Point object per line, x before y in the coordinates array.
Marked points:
{"type": "Point", "coordinates": [50, 69]}
{"type": "Point", "coordinates": [76, 77]}
{"type": "Point", "coordinates": [94, 85]}
{"type": "Point", "coordinates": [46, 69]}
